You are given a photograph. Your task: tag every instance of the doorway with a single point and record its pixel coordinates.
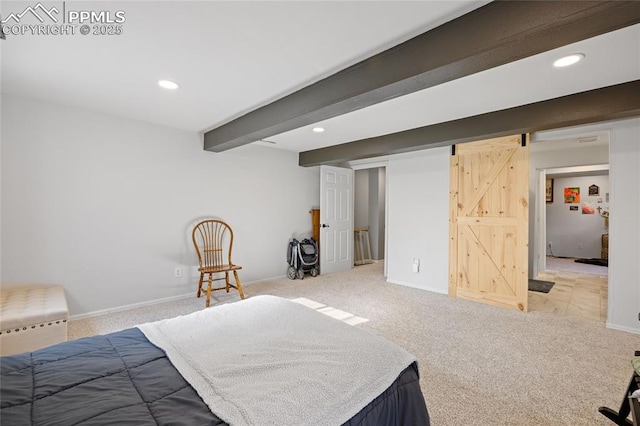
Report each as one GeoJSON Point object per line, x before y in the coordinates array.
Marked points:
{"type": "Point", "coordinates": [577, 229]}
{"type": "Point", "coordinates": [370, 202]}
{"type": "Point", "coordinates": [570, 181]}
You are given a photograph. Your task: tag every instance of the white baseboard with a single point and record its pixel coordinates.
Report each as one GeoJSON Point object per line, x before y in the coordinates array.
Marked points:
{"type": "Point", "coordinates": [369, 262]}
{"type": "Point", "coordinates": [156, 301]}
{"type": "Point", "coordinates": [131, 306]}
{"type": "Point", "coordinates": [279, 277]}
{"type": "Point", "coordinates": [407, 284]}
{"type": "Point", "coordinates": [623, 328]}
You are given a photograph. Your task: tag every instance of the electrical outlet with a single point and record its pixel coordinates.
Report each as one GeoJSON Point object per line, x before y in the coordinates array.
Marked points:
{"type": "Point", "coordinates": [416, 264]}
{"type": "Point", "coordinates": [178, 272]}
{"type": "Point", "coordinates": [549, 243]}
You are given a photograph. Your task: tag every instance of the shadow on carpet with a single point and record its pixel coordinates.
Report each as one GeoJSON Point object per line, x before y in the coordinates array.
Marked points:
{"type": "Point", "coordinates": [540, 286]}
{"type": "Point", "coordinates": [594, 261]}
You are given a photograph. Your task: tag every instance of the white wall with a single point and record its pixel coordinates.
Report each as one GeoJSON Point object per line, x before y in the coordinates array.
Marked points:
{"type": "Point", "coordinates": [573, 233]}
{"type": "Point", "coordinates": [418, 219]}
{"type": "Point", "coordinates": [361, 198]}
{"type": "Point", "coordinates": [624, 227]}
{"type": "Point", "coordinates": [377, 211]}
{"type": "Point", "coordinates": [105, 206]}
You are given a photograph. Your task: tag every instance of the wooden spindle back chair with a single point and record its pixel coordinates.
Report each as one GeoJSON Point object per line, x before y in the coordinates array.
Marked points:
{"type": "Point", "coordinates": [213, 240]}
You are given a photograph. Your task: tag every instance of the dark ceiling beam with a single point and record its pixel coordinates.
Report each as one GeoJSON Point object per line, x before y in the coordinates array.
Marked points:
{"type": "Point", "coordinates": [492, 35]}
{"type": "Point", "coordinates": [608, 103]}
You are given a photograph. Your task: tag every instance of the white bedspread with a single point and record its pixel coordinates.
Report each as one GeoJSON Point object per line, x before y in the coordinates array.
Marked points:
{"type": "Point", "coordinates": [270, 361]}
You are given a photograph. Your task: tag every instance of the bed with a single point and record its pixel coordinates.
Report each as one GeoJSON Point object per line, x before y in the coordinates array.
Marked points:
{"type": "Point", "coordinates": [261, 361]}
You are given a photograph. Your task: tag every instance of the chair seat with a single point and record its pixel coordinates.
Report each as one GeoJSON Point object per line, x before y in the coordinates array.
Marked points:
{"type": "Point", "coordinates": [219, 268]}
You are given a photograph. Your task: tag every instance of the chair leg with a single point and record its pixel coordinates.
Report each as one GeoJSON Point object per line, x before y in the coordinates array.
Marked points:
{"type": "Point", "coordinates": [200, 284]}
{"type": "Point", "coordinates": [226, 279]}
{"type": "Point", "coordinates": [620, 417]}
{"type": "Point", "coordinates": [209, 290]}
{"type": "Point", "coordinates": [235, 275]}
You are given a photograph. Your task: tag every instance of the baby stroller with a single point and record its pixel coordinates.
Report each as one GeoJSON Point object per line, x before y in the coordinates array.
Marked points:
{"type": "Point", "coordinates": [302, 257]}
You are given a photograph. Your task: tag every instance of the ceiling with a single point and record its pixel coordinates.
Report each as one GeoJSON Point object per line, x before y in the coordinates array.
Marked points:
{"type": "Point", "coordinates": [232, 57]}
{"type": "Point", "coordinates": [578, 173]}
{"type": "Point", "coordinates": [228, 57]}
{"type": "Point", "coordinates": [610, 59]}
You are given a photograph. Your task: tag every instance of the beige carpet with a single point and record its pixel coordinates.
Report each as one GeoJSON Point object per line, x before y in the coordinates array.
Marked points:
{"type": "Point", "coordinates": [479, 365]}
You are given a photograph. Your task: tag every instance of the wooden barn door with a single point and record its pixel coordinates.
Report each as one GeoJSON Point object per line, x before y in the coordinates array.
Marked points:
{"type": "Point", "coordinates": [488, 224]}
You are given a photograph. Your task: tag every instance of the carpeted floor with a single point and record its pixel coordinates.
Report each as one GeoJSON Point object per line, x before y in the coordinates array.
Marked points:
{"type": "Point", "coordinates": [479, 364]}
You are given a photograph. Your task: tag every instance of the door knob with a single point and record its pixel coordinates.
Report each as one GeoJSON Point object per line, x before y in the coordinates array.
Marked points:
{"type": "Point", "coordinates": [324, 225]}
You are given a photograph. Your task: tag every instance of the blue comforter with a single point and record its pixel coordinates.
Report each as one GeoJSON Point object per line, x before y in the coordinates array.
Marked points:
{"type": "Point", "coordinates": [123, 379]}
{"type": "Point", "coordinates": [119, 378]}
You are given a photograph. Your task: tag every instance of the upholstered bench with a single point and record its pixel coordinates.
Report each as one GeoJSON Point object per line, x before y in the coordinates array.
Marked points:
{"type": "Point", "coordinates": [31, 317]}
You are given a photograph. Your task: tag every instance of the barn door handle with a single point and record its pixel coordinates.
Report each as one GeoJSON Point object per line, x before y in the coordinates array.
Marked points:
{"type": "Point", "coordinates": [324, 225]}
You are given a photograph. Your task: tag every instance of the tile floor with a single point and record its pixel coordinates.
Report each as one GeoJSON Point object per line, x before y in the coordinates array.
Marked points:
{"type": "Point", "coordinates": [575, 294]}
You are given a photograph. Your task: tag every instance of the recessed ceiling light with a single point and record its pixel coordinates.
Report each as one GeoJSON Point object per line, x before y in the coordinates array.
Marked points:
{"type": "Point", "coordinates": [168, 84]}
{"type": "Point", "coordinates": [318, 129]}
{"type": "Point", "coordinates": [568, 60]}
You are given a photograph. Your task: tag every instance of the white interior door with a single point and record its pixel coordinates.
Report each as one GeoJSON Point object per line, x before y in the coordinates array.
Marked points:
{"type": "Point", "coordinates": [336, 219]}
